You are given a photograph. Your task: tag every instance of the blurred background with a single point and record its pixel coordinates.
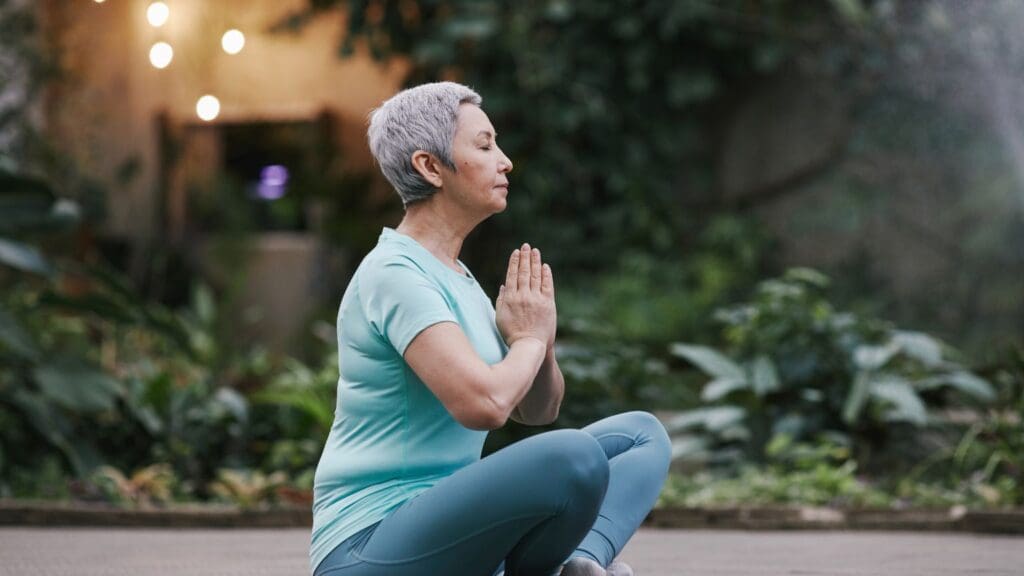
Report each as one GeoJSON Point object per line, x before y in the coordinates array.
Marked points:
{"type": "Point", "coordinates": [793, 230]}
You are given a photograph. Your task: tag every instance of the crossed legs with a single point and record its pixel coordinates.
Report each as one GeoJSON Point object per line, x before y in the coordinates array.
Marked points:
{"type": "Point", "coordinates": [526, 509]}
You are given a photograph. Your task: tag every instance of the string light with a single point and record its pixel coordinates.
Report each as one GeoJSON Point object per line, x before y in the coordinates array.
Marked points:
{"type": "Point", "coordinates": [208, 107]}
{"type": "Point", "coordinates": [157, 14]}
{"type": "Point", "coordinates": [233, 41]}
{"type": "Point", "coordinates": [160, 55]}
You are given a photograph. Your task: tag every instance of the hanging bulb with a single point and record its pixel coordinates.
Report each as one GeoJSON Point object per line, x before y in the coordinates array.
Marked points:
{"type": "Point", "coordinates": [160, 55]}
{"type": "Point", "coordinates": [233, 41]}
{"type": "Point", "coordinates": [208, 107]}
{"type": "Point", "coordinates": [157, 14]}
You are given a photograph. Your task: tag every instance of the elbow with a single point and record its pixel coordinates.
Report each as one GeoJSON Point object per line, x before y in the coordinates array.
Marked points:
{"type": "Point", "coordinates": [483, 413]}
{"type": "Point", "coordinates": [483, 418]}
{"type": "Point", "coordinates": [544, 419]}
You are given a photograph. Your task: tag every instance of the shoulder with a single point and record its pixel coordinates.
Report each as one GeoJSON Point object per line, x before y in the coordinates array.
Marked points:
{"type": "Point", "coordinates": [388, 264]}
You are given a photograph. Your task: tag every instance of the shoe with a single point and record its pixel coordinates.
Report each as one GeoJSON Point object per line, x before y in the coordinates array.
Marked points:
{"type": "Point", "coordinates": [582, 567]}
{"type": "Point", "coordinates": [619, 569]}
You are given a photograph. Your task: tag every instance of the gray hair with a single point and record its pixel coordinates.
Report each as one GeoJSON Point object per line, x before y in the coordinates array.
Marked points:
{"type": "Point", "coordinates": [419, 118]}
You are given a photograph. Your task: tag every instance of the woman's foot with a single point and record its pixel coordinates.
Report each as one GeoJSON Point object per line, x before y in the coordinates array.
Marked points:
{"type": "Point", "coordinates": [583, 567]}
{"type": "Point", "coordinates": [619, 569]}
{"type": "Point", "coordinates": [587, 567]}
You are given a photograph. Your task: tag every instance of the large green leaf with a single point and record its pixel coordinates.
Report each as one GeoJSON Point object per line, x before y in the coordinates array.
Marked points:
{"type": "Point", "coordinates": [856, 397]}
{"type": "Point", "coordinates": [963, 381]}
{"type": "Point", "coordinates": [101, 305]}
{"type": "Point", "coordinates": [16, 338]}
{"type": "Point", "coordinates": [689, 447]}
{"type": "Point", "coordinates": [24, 257]}
{"type": "Point", "coordinates": [710, 361]}
{"type": "Point", "coordinates": [721, 387]}
{"type": "Point", "coordinates": [28, 205]}
{"type": "Point", "coordinates": [713, 419]}
{"type": "Point", "coordinates": [920, 347]}
{"type": "Point", "coordinates": [56, 428]}
{"type": "Point", "coordinates": [874, 357]}
{"type": "Point", "coordinates": [77, 386]}
{"type": "Point", "coordinates": [25, 217]}
{"type": "Point", "coordinates": [907, 406]}
{"type": "Point", "coordinates": [764, 376]}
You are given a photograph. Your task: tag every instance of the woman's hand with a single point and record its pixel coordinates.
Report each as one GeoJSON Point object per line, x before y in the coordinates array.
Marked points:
{"type": "Point", "coordinates": [526, 301]}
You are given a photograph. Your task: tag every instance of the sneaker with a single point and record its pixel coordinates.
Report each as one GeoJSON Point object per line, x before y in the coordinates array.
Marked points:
{"type": "Point", "coordinates": [582, 567]}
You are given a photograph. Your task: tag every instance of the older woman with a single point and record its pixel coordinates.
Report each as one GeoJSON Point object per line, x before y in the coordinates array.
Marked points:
{"type": "Point", "coordinates": [428, 365]}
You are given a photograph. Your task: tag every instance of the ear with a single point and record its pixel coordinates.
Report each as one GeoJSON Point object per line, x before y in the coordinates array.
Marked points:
{"type": "Point", "coordinates": [427, 166]}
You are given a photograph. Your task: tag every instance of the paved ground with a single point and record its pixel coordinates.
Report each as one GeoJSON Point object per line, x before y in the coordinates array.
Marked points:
{"type": "Point", "coordinates": [159, 552]}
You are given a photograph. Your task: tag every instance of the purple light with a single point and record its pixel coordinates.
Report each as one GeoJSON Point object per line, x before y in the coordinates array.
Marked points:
{"type": "Point", "coordinates": [273, 182]}
{"type": "Point", "coordinates": [275, 175]}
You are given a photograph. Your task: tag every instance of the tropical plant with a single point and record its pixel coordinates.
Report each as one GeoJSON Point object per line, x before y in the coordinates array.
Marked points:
{"type": "Point", "coordinates": [247, 488]}
{"type": "Point", "coordinates": [796, 365]}
{"type": "Point", "coordinates": [40, 384]}
{"type": "Point", "coordinates": [147, 486]}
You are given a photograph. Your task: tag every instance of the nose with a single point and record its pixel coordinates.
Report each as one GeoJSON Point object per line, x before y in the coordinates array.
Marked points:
{"type": "Point", "coordinates": [505, 166]}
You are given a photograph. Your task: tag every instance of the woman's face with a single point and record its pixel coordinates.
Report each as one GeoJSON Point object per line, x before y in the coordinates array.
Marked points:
{"type": "Point", "coordinates": [480, 180]}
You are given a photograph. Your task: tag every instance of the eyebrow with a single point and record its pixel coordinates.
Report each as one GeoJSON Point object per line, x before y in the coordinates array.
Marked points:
{"type": "Point", "coordinates": [486, 133]}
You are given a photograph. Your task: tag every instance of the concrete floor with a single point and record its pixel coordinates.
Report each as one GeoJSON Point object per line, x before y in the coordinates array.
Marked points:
{"type": "Point", "coordinates": [273, 552]}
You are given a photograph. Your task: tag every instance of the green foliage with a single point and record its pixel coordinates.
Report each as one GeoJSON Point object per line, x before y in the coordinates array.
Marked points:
{"type": "Point", "coordinates": [616, 326]}
{"type": "Point", "coordinates": [821, 474]}
{"type": "Point", "coordinates": [614, 111]}
{"type": "Point", "coordinates": [307, 392]}
{"type": "Point", "coordinates": [96, 374]}
{"type": "Point", "coordinates": [824, 473]}
{"type": "Point", "coordinates": [796, 365]}
{"type": "Point", "coordinates": [986, 460]}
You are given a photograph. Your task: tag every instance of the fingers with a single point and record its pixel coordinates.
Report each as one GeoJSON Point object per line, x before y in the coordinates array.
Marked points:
{"type": "Point", "coordinates": [524, 268]}
{"type": "Point", "coordinates": [535, 270]}
{"type": "Point", "coordinates": [547, 282]}
{"type": "Point", "coordinates": [512, 274]}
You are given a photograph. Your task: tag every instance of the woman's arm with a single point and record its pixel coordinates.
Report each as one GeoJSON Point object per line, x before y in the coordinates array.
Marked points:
{"type": "Point", "coordinates": [479, 396]}
{"type": "Point", "coordinates": [541, 404]}
{"type": "Point", "coordinates": [483, 397]}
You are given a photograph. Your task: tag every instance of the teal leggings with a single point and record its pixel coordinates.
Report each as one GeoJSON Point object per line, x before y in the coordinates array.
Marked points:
{"type": "Point", "coordinates": [525, 509]}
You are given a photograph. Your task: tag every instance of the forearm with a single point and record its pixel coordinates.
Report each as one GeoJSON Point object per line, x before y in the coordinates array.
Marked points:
{"type": "Point", "coordinates": [541, 403]}
{"type": "Point", "coordinates": [511, 379]}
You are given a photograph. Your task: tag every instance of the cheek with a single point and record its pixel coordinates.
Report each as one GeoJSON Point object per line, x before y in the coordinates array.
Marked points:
{"type": "Point", "coordinates": [473, 171]}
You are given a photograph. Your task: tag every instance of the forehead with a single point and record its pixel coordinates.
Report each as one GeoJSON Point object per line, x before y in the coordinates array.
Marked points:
{"type": "Point", "coordinates": [471, 121]}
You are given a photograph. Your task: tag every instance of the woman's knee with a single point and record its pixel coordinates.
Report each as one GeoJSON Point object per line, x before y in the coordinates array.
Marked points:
{"type": "Point", "coordinates": [652, 432]}
{"type": "Point", "coordinates": [576, 459]}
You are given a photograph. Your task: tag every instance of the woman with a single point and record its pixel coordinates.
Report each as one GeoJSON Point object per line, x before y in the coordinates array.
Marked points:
{"type": "Point", "coordinates": [428, 365]}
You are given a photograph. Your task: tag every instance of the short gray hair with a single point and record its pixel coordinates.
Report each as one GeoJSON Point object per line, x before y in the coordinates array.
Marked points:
{"type": "Point", "coordinates": [419, 118]}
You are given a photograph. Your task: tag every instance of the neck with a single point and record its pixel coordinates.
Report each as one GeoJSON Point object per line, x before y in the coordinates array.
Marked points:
{"type": "Point", "coordinates": [440, 231]}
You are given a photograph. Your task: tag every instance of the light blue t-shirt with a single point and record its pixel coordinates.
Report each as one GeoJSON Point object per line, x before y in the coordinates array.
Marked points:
{"type": "Point", "coordinates": [392, 438]}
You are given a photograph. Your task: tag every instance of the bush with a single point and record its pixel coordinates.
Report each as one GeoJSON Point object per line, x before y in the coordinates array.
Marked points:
{"type": "Point", "coordinates": [793, 364]}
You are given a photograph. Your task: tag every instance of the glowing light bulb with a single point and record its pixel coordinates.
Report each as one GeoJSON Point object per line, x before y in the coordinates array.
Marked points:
{"type": "Point", "coordinates": [233, 41]}
{"type": "Point", "coordinates": [160, 55]}
{"type": "Point", "coordinates": [99, 1]}
{"type": "Point", "coordinates": [208, 107]}
{"type": "Point", "coordinates": [157, 14]}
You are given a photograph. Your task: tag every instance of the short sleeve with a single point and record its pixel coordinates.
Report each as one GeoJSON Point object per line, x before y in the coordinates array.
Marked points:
{"type": "Point", "coordinates": [400, 301]}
